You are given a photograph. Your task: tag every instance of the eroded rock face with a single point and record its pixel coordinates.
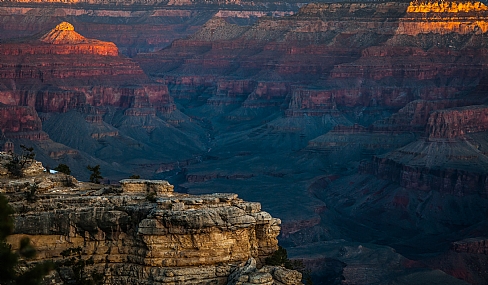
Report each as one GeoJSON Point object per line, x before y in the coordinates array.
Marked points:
{"type": "Point", "coordinates": [10, 119]}
{"type": "Point", "coordinates": [372, 55]}
{"type": "Point", "coordinates": [473, 245]}
{"type": "Point", "coordinates": [453, 123]}
{"type": "Point", "coordinates": [143, 186]}
{"type": "Point", "coordinates": [60, 71]}
{"type": "Point", "coordinates": [267, 275]}
{"type": "Point", "coordinates": [179, 238]}
{"type": "Point", "coordinates": [31, 168]}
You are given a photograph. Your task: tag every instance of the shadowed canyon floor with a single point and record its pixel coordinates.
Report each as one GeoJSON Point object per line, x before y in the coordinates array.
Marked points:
{"type": "Point", "coordinates": [363, 126]}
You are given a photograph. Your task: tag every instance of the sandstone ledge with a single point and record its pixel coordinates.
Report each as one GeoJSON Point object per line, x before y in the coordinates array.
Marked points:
{"type": "Point", "coordinates": [146, 186]}
{"type": "Point", "coordinates": [179, 239]}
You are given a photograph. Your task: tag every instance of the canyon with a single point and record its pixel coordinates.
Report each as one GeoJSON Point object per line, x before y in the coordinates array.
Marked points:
{"type": "Point", "coordinates": [361, 125]}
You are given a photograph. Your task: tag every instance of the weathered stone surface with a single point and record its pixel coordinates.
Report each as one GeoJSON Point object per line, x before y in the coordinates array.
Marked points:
{"type": "Point", "coordinates": [180, 239]}
{"type": "Point", "coordinates": [248, 273]}
{"type": "Point", "coordinates": [30, 168]}
{"type": "Point", "coordinates": [453, 123]}
{"type": "Point", "coordinates": [21, 121]}
{"type": "Point", "coordinates": [472, 245]}
{"type": "Point", "coordinates": [143, 186]}
{"type": "Point", "coordinates": [287, 276]}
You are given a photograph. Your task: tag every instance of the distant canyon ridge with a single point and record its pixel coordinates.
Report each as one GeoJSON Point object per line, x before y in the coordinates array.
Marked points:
{"type": "Point", "coordinates": [362, 125]}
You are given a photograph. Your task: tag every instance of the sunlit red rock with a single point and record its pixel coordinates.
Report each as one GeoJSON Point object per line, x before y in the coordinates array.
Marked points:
{"type": "Point", "coordinates": [72, 70]}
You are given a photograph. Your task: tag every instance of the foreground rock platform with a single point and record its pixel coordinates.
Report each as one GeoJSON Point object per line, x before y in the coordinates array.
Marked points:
{"type": "Point", "coordinates": [145, 235]}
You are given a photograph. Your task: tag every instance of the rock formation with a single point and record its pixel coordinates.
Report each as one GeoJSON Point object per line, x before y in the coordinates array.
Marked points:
{"type": "Point", "coordinates": [403, 81]}
{"type": "Point", "coordinates": [18, 120]}
{"type": "Point", "coordinates": [452, 123]}
{"type": "Point", "coordinates": [61, 72]}
{"type": "Point", "coordinates": [369, 116]}
{"type": "Point", "coordinates": [472, 245]}
{"type": "Point", "coordinates": [175, 238]}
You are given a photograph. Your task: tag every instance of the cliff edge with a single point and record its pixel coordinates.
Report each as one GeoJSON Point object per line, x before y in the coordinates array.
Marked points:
{"type": "Point", "coordinates": [144, 233]}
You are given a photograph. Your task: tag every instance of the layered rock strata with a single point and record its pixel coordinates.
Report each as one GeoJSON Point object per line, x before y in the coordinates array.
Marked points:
{"type": "Point", "coordinates": [473, 245]}
{"type": "Point", "coordinates": [452, 123]}
{"type": "Point", "coordinates": [386, 62]}
{"type": "Point", "coordinates": [19, 119]}
{"type": "Point", "coordinates": [179, 238]}
{"type": "Point", "coordinates": [60, 70]}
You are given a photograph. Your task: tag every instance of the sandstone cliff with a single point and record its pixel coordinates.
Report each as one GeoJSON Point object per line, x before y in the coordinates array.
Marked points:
{"type": "Point", "coordinates": [173, 239]}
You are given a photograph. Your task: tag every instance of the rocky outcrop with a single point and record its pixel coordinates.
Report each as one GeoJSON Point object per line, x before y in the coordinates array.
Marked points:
{"type": "Point", "coordinates": [415, 115]}
{"type": "Point", "coordinates": [311, 103]}
{"type": "Point", "coordinates": [267, 275]}
{"type": "Point", "coordinates": [270, 95]}
{"type": "Point", "coordinates": [455, 167]}
{"type": "Point", "coordinates": [21, 122]}
{"type": "Point", "coordinates": [143, 29]}
{"type": "Point", "coordinates": [460, 17]}
{"type": "Point", "coordinates": [473, 245]}
{"type": "Point", "coordinates": [458, 122]}
{"type": "Point", "coordinates": [31, 168]}
{"type": "Point", "coordinates": [204, 239]}
{"type": "Point", "coordinates": [64, 34]}
{"type": "Point", "coordinates": [141, 186]}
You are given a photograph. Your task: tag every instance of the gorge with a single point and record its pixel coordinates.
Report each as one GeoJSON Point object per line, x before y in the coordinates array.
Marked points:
{"type": "Point", "coordinates": [361, 125]}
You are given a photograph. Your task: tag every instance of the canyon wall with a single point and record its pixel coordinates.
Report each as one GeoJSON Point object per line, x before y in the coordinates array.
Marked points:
{"type": "Point", "coordinates": [452, 123]}
{"type": "Point", "coordinates": [61, 70]}
{"type": "Point", "coordinates": [278, 109]}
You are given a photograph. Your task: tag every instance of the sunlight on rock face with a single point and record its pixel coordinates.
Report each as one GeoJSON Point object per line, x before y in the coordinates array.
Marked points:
{"type": "Point", "coordinates": [443, 17]}
{"type": "Point", "coordinates": [445, 7]}
{"type": "Point", "coordinates": [64, 26]}
{"type": "Point", "coordinates": [64, 34]}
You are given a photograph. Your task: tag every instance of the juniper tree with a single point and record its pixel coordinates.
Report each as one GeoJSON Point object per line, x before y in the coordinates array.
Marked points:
{"type": "Point", "coordinates": [95, 175]}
